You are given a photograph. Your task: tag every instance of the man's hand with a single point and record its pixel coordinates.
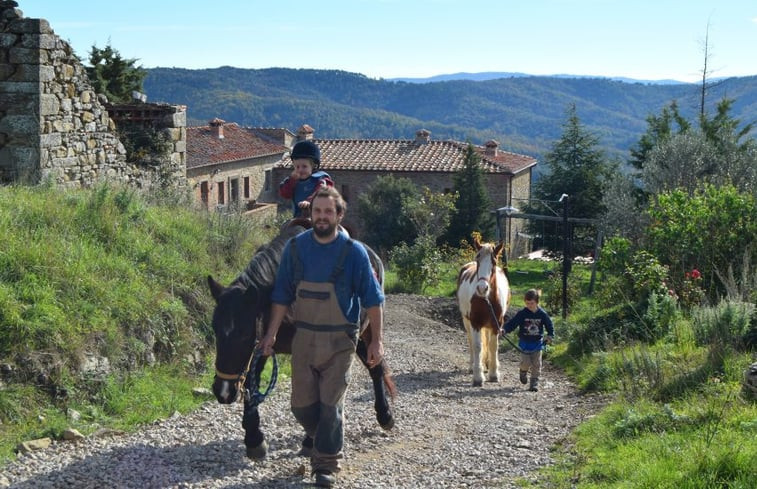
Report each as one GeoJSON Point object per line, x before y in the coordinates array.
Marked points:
{"type": "Point", "coordinates": [266, 345]}
{"type": "Point", "coordinates": [375, 353]}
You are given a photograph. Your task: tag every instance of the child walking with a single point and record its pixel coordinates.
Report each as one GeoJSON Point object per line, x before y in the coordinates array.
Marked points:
{"type": "Point", "coordinates": [305, 179]}
{"type": "Point", "coordinates": [531, 322]}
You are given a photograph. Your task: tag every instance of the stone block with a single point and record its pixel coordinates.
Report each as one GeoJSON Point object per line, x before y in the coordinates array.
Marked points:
{"type": "Point", "coordinates": [177, 119]}
{"type": "Point", "coordinates": [21, 87]}
{"type": "Point", "coordinates": [48, 104]}
{"type": "Point", "coordinates": [20, 126]}
{"type": "Point", "coordinates": [39, 41]}
{"type": "Point", "coordinates": [30, 26]}
{"type": "Point", "coordinates": [7, 71]}
{"type": "Point", "coordinates": [7, 39]}
{"type": "Point", "coordinates": [50, 140]}
{"type": "Point", "coordinates": [28, 56]}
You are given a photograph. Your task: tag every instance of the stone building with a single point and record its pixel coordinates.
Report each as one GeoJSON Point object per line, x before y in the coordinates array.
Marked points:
{"type": "Point", "coordinates": [231, 166]}
{"type": "Point", "coordinates": [55, 128]}
{"type": "Point", "coordinates": [354, 164]}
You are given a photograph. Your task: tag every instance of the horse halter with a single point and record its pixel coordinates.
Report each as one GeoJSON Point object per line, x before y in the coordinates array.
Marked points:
{"type": "Point", "coordinates": [487, 279]}
{"type": "Point", "coordinates": [253, 395]}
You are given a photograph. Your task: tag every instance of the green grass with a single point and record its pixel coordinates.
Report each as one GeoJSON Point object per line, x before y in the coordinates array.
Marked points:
{"type": "Point", "coordinates": [98, 272]}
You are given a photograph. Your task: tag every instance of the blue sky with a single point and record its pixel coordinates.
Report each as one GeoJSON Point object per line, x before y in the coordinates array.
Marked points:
{"type": "Point", "coordinates": [642, 39]}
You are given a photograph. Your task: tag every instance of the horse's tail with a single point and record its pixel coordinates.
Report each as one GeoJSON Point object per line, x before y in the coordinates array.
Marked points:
{"type": "Point", "coordinates": [391, 387]}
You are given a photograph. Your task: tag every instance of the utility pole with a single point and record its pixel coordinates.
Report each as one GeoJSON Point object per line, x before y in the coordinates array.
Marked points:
{"type": "Point", "coordinates": [565, 254]}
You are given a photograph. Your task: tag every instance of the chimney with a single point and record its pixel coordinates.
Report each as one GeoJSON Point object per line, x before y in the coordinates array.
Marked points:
{"type": "Point", "coordinates": [491, 148]}
{"type": "Point", "coordinates": [216, 128]}
{"type": "Point", "coordinates": [422, 136]}
{"type": "Point", "coordinates": [305, 133]}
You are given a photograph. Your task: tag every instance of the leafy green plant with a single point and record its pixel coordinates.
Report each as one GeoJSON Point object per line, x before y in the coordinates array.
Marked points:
{"type": "Point", "coordinates": [725, 325]}
{"type": "Point", "coordinates": [417, 265]}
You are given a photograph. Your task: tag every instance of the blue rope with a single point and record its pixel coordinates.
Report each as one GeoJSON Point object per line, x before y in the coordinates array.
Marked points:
{"type": "Point", "coordinates": [253, 393]}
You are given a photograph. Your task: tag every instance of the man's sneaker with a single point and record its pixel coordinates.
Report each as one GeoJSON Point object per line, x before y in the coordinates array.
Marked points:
{"type": "Point", "coordinates": [534, 385]}
{"type": "Point", "coordinates": [324, 478]}
{"type": "Point", "coordinates": [523, 378]}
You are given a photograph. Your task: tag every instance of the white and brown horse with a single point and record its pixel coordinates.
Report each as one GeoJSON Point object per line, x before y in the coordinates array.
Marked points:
{"type": "Point", "coordinates": [483, 294]}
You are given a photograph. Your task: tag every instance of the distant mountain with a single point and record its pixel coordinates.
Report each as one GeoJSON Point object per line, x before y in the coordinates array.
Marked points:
{"type": "Point", "coordinates": [493, 75]}
{"type": "Point", "coordinates": [525, 114]}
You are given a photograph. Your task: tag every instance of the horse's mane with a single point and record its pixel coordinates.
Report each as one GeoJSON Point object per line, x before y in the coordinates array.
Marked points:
{"type": "Point", "coordinates": [261, 271]}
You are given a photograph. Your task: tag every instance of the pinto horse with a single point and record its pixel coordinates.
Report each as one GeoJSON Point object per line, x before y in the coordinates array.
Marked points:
{"type": "Point", "coordinates": [240, 317]}
{"type": "Point", "coordinates": [483, 293]}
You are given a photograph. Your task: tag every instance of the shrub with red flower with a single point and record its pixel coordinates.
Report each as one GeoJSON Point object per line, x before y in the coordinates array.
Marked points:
{"type": "Point", "coordinates": [691, 292]}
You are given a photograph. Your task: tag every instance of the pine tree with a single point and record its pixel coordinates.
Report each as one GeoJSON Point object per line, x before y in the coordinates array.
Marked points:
{"type": "Point", "coordinates": [473, 207]}
{"type": "Point", "coordinates": [577, 167]}
{"type": "Point", "coordinates": [114, 76]}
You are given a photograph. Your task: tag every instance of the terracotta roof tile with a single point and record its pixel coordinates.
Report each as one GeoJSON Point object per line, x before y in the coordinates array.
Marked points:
{"type": "Point", "coordinates": [238, 143]}
{"type": "Point", "coordinates": [408, 155]}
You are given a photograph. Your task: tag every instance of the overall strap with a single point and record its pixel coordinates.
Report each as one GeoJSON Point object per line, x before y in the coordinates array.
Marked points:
{"type": "Point", "coordinates": [340, 261]}
{"type": "Point", "coordinates": [297, 263]}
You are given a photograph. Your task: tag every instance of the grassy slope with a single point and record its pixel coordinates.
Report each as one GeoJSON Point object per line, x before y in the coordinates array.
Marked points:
{"type": "Point", "coordinates": [100, 272]}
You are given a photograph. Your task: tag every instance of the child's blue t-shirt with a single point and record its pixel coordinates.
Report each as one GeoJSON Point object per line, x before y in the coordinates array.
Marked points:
{"type": "Point", "coordinates": [531, 326]}
{"type": "Point", "coordinates": [305, 189]}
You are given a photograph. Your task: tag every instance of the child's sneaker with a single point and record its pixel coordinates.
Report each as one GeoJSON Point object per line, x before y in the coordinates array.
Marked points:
{"type": "Point", "coordinates": [523, 377]}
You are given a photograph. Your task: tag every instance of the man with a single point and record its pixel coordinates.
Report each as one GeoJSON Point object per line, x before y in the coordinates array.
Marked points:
{"type": "Point", "coordinates": [326, 278]}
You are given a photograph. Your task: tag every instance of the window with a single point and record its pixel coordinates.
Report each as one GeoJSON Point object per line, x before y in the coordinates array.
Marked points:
{"type": "Point", "coordinates": [204, 193]}
{"type": "Point", "coordinates": [267, 184]}
{"type": "Point", "coordinates": [221, 194]}
{"type": "Point", "coordinates": [246, 187]}
{"type": "Point", "coordinates": [234, 190]}
{"type": "Point", "coordinates": [346, 193]}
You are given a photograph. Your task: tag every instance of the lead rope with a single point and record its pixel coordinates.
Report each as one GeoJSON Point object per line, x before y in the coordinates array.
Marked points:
{"type": "Point", "coordinates": [499, 327]}
{"type": "Point", "coordinates": [253, 394]}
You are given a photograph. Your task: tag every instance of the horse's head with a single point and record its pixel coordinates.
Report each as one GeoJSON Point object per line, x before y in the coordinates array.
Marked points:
{"type": "Point", "coordinates": [487, 256]}
{"type": "Point", "coordinates": [234, 324]}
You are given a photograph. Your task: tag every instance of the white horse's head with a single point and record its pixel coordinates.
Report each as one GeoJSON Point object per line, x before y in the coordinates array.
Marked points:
{"type": "Point", "coordinates": [487, 256]}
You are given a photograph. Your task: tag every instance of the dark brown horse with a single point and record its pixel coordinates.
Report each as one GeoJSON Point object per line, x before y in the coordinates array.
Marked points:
{"type": "Point", "coordinates": [242, 312]}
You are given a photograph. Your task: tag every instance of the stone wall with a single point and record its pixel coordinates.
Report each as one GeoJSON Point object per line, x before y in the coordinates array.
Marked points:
{"type": "Point", "coordinates": [53, 126]}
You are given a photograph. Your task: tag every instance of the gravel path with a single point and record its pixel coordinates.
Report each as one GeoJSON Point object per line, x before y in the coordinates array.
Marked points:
{"type": "Point", "coordinates": [448, 434]}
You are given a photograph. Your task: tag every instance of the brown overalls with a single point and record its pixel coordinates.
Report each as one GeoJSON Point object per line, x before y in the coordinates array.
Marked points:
{"type": "Point", "coordinates": [322, 351]}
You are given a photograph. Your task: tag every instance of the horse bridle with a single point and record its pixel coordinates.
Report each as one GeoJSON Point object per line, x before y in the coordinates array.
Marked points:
{"type": "Point", "coordinates": [253, 395]}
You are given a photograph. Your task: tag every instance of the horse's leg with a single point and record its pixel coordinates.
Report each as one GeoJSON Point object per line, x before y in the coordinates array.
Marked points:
{"type": "Point", "coordinates": [492, 353]}
{"type": "Point", "coordinates": [381, 405]}
{"type": "Point", "coordinates": [478, 371]}
{"type": "Point", "coordinates": [254, 439]}
{"type": "Point", "coordinates": [469, 336]}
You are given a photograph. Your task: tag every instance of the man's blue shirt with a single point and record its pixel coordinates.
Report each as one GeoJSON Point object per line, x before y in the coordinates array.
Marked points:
{"type": "Point", "coordinates": [356, 286]}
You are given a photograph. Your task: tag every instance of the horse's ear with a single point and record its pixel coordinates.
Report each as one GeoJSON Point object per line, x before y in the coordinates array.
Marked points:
{"type": "Point", "coordinates": [498, 249]}
{"type": "Point", "coordinates": [216, 289]}
{"type": "Point", "coordinates": [476, 241]}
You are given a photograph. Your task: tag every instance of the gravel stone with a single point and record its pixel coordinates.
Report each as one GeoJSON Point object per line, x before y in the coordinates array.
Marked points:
{"type": "Point", "coordinates": [448, 434]}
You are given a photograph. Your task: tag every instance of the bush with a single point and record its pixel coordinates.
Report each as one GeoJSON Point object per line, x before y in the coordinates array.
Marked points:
{"type": "Point", "coordinates": [417, 266]}
{"type": "Point", "coordinates": [728, 325]}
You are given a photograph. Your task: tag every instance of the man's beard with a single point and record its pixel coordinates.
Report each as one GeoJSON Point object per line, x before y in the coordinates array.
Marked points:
{"type": "Point", "coordinates": [324, 232]}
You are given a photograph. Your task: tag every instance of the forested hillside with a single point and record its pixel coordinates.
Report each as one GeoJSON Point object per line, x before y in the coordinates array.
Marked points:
{"type": "Point", "coordinates": [524, 114]}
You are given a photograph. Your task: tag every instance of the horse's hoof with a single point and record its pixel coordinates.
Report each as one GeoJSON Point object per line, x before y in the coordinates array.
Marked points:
{"type": "Point", "coordinates": [477, 383]}
{"type": "Point", "coordinates": [494, 379]}
{"type": "Point", "coordinates": [259, 452]}
{"type": "Point", "coordinates": [387, 424]}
